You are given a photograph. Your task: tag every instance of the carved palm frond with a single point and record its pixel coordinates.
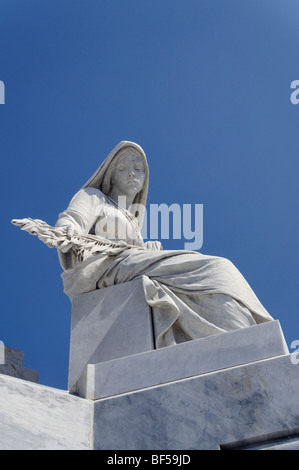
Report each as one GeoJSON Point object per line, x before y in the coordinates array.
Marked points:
{"type": "Point", "coordinates": [81, 244]}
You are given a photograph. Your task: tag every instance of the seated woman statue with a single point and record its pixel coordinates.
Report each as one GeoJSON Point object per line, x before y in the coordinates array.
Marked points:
{"type": "Point", "coordinates": [191, 295]}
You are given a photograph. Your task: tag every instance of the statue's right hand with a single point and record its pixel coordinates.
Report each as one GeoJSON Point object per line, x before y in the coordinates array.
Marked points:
{"type": "Point", "coordinates": [60, 231]}
{"type": "Point", "coordinates": [70, 231]}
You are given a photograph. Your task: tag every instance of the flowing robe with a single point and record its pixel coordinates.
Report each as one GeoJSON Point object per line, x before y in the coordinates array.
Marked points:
{"type": "Point", "coordinates": [191, 295]}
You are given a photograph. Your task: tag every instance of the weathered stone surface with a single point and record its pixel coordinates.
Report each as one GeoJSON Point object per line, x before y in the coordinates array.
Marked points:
{"type": "Point", "coordinates": [107, 324]}
{"type": "Point", "coordinates": [13, 365]}
{"type": "Point", "coordinates": [36, 417]}
{"type": "Point", "coordinates": [244, 406]}
{"type": "Point", "coordinates": [181, 361]}
{"type": "Point", "coordinates": [248, 403]}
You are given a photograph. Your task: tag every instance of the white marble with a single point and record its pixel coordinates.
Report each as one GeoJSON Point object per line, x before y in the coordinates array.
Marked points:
{"type": "Point", "coordinates": [252, 405]}
{"type": "Point", "coordinates": [107, 324]}
{"type": "Point", "coordinates": [244, 404]}
{"type": "Point", "coordinates": [36, 417]}
{"type": "Point", "coordinates": [182, 360]}
{"type": "Point", "coordinates": [191, 295]}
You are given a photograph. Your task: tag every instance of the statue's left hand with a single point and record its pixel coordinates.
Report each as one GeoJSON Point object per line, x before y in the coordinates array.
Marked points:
{"type": "Point", "coordinates": [153, 245]}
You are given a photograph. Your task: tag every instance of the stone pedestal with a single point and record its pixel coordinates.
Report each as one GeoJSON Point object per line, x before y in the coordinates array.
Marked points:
{"type": "Point", "coordinates": [236, 390]}
{"type": "Point", "coordinates": [253, 405]}
{"type": "Point", "coordinates": [108, 324]}
{"type": "Point", "coordinates": [181, 361]}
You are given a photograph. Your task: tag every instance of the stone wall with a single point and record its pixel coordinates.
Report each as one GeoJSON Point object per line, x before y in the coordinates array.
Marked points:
{"type": "Point", "coordinates": [238, 390]}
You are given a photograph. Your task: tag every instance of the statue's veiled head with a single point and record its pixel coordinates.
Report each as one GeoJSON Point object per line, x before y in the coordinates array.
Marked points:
{"type": "Point", "coordinates": [126, 170]}
{"type": "Point", "coordinates": [127, 174]}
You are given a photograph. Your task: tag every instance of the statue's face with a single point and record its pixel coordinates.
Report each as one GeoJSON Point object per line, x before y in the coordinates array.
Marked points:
{"type": "Point", "coordinates": [129, 174]}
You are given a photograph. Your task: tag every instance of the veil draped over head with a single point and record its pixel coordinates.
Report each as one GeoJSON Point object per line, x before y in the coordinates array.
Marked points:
{"type": "Point", "coordinates": [101, 179]}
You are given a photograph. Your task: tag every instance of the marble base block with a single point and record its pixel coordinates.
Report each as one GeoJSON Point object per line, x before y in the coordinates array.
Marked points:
{"type": "Point", "coordinates": [184, 360]}
{"type": "Point", "coordinates": [107, 324]}
{"type": "Point", "coordinates": [253, 405]}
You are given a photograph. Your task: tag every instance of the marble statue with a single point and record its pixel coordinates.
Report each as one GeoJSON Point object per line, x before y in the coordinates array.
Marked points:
{"type": "Point", "coordinates": [99, 243]}
{"type": "Point", "coordinates": [191, 295]}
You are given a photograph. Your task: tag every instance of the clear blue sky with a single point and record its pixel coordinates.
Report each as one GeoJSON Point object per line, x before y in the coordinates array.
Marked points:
{"type": "Point", "coordinates": [202, 85]}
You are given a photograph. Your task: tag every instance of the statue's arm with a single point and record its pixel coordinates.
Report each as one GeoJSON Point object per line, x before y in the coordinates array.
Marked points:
{"type": "Point", "coordinates": [81, 212]}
